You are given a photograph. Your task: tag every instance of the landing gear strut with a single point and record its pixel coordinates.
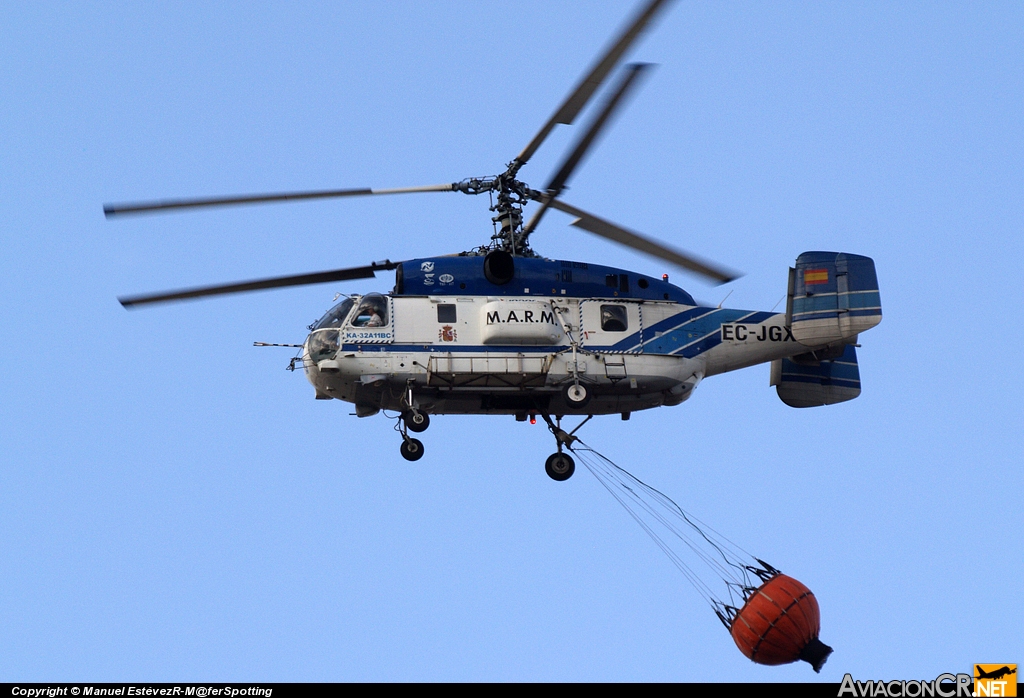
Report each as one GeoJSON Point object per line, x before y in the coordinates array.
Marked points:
{"type": "Point", "coordinates": [412, 449]}
{"type": "Point", "coordinates": [413, 420]}
{"type": "Point", "coordinates": [560, 466]}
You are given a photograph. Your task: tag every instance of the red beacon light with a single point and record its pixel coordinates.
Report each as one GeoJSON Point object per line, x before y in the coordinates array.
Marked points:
{"type": "Point", "coordinates": [664, 277]}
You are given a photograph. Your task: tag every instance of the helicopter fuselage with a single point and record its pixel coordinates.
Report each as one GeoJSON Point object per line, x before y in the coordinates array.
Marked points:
{"type": "Point", "coordinates": [448, 340]}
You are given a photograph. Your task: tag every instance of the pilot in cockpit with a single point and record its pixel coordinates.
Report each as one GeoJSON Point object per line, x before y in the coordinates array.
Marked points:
{"type": "Point", "coordinates": [372, 312]}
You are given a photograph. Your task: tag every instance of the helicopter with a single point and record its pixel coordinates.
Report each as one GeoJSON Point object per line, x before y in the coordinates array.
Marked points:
{"type": "Point", "coordinates": [502, 330]}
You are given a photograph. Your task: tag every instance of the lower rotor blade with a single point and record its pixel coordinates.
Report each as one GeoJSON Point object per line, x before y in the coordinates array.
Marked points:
{"type": "Point", "coordinates": [611, 231]}
{"type": "Point", "coordinates": [261, 284]}
{"type": "Point", "coordinates": [177, 204]}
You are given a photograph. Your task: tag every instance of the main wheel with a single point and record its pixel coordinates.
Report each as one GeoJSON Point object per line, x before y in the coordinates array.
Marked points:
{"type": "Point", "coordinates": [560, 466]}
{"type": "Point", "coordinates": [412, 449]}
{"type": "Point", "coordinates": [416, 421]}
{"type": "Point", "coordinates": [576, 395]}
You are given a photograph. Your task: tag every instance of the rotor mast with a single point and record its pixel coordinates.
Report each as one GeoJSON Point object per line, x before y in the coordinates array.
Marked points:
{"type": "Point", "coordinates": [508, 214]}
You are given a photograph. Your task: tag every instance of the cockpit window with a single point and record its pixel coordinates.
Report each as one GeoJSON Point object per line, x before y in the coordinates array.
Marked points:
{"type": "Point", "coordinates": [372, 311]}
{"type": "Point", "coordinates": [335, 316]}
{"type": "Point", "coordinates": [613, 318]}
{"type": "Point", "coordinates": [323, 344]}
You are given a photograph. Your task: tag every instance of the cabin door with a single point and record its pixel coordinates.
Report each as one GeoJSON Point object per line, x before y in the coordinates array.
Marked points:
{"type": "Point", "coordinates": [372, 322]}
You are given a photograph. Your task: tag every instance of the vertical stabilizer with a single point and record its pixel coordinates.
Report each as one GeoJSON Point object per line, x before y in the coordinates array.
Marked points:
{"type": "Point", "coordinates": [833, 297]}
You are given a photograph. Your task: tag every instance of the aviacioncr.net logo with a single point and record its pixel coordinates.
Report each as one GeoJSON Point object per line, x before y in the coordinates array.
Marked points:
{"type": "Point", "coordinates": [942, 686]}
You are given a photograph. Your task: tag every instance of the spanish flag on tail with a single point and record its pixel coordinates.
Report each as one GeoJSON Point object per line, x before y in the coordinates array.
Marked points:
{"type": "Point", "coordinates": [815, 276]}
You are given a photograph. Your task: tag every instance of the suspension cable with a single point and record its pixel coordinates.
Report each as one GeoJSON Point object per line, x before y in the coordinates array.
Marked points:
{"type": "Point", "coordinates": [668, 525]}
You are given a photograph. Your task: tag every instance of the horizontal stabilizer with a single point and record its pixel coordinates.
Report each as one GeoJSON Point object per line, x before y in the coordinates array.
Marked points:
{"type": "Point", "coordinates": [808, 383]}
{"type": "Point", "coordinates": [833, 296]}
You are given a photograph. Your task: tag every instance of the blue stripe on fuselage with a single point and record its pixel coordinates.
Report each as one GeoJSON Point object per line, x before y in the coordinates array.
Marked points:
{"type": "Point", "coordinates": [688, 333]}
{"type": "Point", "coordinates": [694, 337]}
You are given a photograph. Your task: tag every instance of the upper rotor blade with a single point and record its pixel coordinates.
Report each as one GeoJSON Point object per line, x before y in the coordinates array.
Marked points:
{"type": "Point", "coordinates": [558, 182]}
{"type": "Point", "coordinates": [611, 231]}
{"type": "Point", "coordinates": [578, 98]}
{"type": "Point", "coordinates": [172, 204]}
{"type": "Point", "coordinates": [261, 284]}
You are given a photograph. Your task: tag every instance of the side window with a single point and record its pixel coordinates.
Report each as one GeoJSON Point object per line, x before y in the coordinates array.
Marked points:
{"type": "Point", "coordinates": [613, 318]}
{"type": "Point", "coordinates": [372, 312]}
{"type": "Point", "coordinates": [446, 312]}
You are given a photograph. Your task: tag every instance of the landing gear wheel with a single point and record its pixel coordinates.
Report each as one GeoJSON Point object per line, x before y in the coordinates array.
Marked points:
{"type": "Point", "coordinates": [576, 395]}
{"type": "Point", "coordinates": [412, 449]}
{"type": "Point", "coordinates": [560, 466]}
{"type": "Point", "coordinates": [416, 421]}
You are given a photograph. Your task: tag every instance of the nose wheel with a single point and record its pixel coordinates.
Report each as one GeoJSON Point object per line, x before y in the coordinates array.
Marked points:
{"type": "Point", "coordinates": [412, 449]}
{"type": "Point", "coordinates": [413, 420]}
{"type": "Point", "coordinates": [416, 421]}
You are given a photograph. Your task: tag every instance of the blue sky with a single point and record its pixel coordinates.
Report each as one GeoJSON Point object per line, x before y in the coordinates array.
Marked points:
{"type": "Point", "coordinates": [176, 506]}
